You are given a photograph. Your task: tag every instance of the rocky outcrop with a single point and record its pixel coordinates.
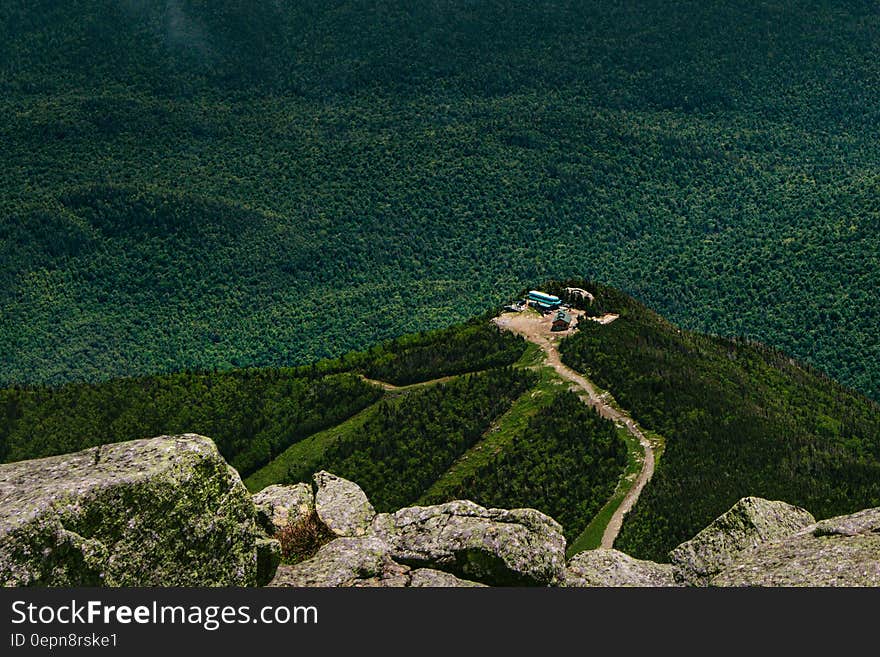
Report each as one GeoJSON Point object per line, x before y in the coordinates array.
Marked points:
{"type": "Point", "coordinates": [343, 562]}
{"type": "Point", "coordinates": [430, 578]}
{"type": "Point", "coordinates": [359, 561]}
{"type": "Point", "coordinates": [162, 512]}
{"type": "Point", "coordinates": [756, 543]}
{"type": "Point", "coordinates": [602, 567]}
{"type": "Point", "coordinates": [493, 546]}
{"type": "Point", "coordinates": [857, 524]}
{"type": "Point", "coordinates": [170, 512]}
{"type": "Point", "coordinates": [342, 506]}
{"type": "Point", "coordinates": [842, 551]}
{"type": "Point", "coordinates": [750, 522]}
{"type": "Point", "coordinates": [455, 544]}
{"type": "Point", "coordinates": [279, 506]}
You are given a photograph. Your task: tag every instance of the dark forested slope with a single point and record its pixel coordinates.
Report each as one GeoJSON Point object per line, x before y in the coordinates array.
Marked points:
{"type": "Point", "coordinates": [253, 415]}
{"type": "Point", "coordinates": [738, 418]}
{"type": "Point", "coordinates": [191, 184]}
{"type": "Point", "coordinates": [395, 443]}
{"type": "Point", "coordinates": [566, 462]}
{"type": "Point", "coordinates": [477, 417]}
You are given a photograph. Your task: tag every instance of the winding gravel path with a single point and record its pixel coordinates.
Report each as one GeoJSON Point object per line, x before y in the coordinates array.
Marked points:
{"type": "Point", "coordinates": [537, 330]}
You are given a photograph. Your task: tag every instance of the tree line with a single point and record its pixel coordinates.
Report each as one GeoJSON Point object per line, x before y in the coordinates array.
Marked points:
{"type": "Point", "coordinates": [252, 415]}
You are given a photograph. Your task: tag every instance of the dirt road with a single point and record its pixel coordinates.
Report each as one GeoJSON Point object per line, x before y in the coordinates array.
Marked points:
{"type": "Point", "coordinates": [537, 329]}
{"type": "Point", "coordinates": [390, 387]}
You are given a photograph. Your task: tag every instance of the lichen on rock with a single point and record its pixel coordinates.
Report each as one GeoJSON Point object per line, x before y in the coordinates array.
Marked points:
{"type": "Point", "coordinates": [281, 505]}
{"type": "Point", "coordinates": [363, 561]}
{"type": "Point", "coordinates": [493, 546]}
{"type": "Point", "coordinates": [166, 511]}
{"type": "Point", "coordinates": [605, 567]}
{"type": "Point", "coordinates": [342, 562]}
{"type": "Point", "coordinates": [748, 523]}
{"type": "Point", "coordinates": [342, 506]}
{"type": "Point", "coordinates": [431, 578]}
{"type": "Point", "coordinates": [841, 551]}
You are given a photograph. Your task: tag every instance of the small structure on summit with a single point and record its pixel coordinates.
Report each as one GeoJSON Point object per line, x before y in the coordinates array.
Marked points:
{"type": "Point", "coordinates": [543, 301]}
{"type": "Point", "coordinates": [579, 293]}
{"type": "Point", "coordinates": [562, 321]}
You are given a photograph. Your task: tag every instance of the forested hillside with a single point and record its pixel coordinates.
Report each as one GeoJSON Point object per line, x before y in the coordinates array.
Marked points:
{"type": "Point", "coordinates": [407, 443]}
{"type": "Point", "coordinates": [476, 414]}
{"type": "Point", "coordinates": [283, 425]}
{"type": "Point", "coordinates": [476, 345]}
{"type": "Point", "coordinates": [252, 415]}
{"type": "Point", "coordinates": [739, 419]}
{"type": "Point", "coordinates": [229, 184]}
{"type": "Point", "coordinates": [566, 462]}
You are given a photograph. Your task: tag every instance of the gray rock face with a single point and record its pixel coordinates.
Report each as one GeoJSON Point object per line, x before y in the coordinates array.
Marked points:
{"type": "Point", "coordinates": [343, 562]}
{"type": "Point", "coordinates": [162, 512]}
{"type": "Point", "coordinates": [430, 578]}
{"type": "Point", "coordinates": [856, 524]}
{"type": "Point", "coordinates": [359, 561]}
{"type": "Point", "coordinates": [279, 506]}
{"type": "Point", "coordinates": [342, 505]}
{"type": "Point", "coordinates": [842, 551]}
{"type": "Point", "coordinates": [493, 546]}
{"type": "Point", "coordinates": [604, 567]}
{"type": "Point", "coordinates": [748, 523]}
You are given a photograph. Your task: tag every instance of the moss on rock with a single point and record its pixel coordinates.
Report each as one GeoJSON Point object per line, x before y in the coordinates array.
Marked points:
{"type": "Point", "coordinates": [166, 511]}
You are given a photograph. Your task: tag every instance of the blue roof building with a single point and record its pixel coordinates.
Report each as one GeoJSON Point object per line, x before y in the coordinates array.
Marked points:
{"type": "Point", "coordinates": [543, 300]}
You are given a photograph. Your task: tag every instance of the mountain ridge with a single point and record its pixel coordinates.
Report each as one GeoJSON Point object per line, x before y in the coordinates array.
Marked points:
{"type": "Point", "coordinates": [736, 414]}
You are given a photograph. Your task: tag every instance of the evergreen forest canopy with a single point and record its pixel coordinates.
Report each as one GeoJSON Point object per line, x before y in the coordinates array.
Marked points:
{"type": "Point", "coordinates": [398, 443]}
{"type": "Point", "coordinates": [252, 414]}
{"type": "Point", "coordinates": [475, 415]}
{"type": "Point", "coordinates": [198, 185]}
{"type": "Point", "coordinates": [739, 419]}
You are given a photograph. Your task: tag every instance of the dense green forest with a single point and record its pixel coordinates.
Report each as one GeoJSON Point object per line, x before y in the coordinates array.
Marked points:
{"type": "Point", "coordinates": [739, 419]}
{"type": "Point", "coordinates": [190, 185]}
{"type": "Point", "coordinates": [479, 345]}
{"type": "Point", "coordinates": [472, 346]}
{"type": "Point", "coordinates": [282, 425]}
{"type": "Point", "coordinates": [409, 442]}
{"type": "Point", "coordinates": [251, 415]}
{"type": "Point", "coordinates": [566, 463]}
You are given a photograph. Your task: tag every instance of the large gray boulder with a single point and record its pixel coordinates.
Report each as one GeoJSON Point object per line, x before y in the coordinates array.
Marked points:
{"type": "Point", "coordinates": [279, 506]}
{"type": "Point", "coordinates": [162, 512]}
{"type": "Point", "coordinates": [430, 578]}
{"type": "Point", "coordinates": [842, 551]}
{"type": "Point", "coordinates": [493, 546]}
{"type": "Point", "coordinates": [603, 567]}
{"type": "Point", "coordinates": [359, 561]}
{"type": "Point", "coordinates": [748, 523]}
{"type": "Point", "coordinates": [342, 505]}
{"type": "Point", "coordinates": [343, 562]}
